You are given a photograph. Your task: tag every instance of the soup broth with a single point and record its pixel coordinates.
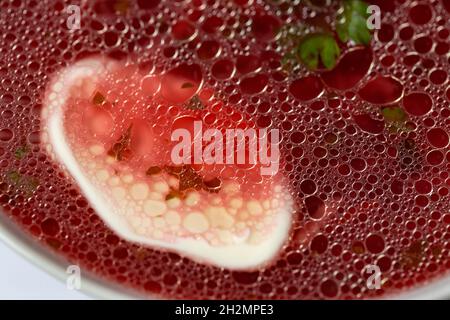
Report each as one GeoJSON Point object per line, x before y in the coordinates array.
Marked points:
{"type": "Point", "coordinates": [363, 179]}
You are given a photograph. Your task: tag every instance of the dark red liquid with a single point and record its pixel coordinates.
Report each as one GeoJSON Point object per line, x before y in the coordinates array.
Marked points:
{"type": "Point", "coordinates": [385, 183]}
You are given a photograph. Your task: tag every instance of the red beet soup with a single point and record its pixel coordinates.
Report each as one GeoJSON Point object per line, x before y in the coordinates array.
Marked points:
{"type": "Point", "coordinates": [361, 117]}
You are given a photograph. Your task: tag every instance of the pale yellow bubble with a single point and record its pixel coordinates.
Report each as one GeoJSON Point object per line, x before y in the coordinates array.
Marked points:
{"type": "Point", "coordinates": [219, 217]}
{"type": "Point", "coordinates": [57, 87]}
{"type": "Point", "coordinates": [172, 218]}
{"type": "Point", "coordinates": [156, 196]}
{"type": "Point", "coordinates": [254, 208]}
{"type": "Point", "coordinates": [102, 175]}
{"type": "Point", "coordinates": [128, 178]}
{"type": "Point", "coordinates": [146, 223]}
{"type": "Point", "coordinates": [96, 150]}
{"type": "Point", "coordinates": [192, 198]}
{"type": "Point", "coordinates": [158, 234]}
{"type": "Point", "coordinates": [236, 203]}
{"type": "Point", "coordinates": [159, 222]}
{"type": "Point", "coordinates": [173, 182]}
{"type": "Point", "coordinates": [141, 231]}
{"type": "Point", "coordinates": [275, 203]}
{"type": "Point", "coordinates": [195, 223]}
{"type": "Point", "coordinates": [161, 187]}
{"type": "Point", "coordinates": [114, 181]}
{"type": "Point", "coordinates": [139, 191]}
{"type": "Point", "coordinates": [216, 200]}
{"type": "Point", "coordinates": [154, 208]}
{"type": "Point", "coordinates": [110, 160]}
{"type": "Point", "coordinates": [173, 203]}
{"type": "Point", "coordinates": [243, 215]}
{"type": "Point", "coordinates": [118, 193]}
{"type": "Point", "coordinates": [136, 221]}
{"type": "Point", "coordinates": [231, 187]}
{"type": "Point", "coordinates": [255, 237]}
{"type": "Point", "coordinates": [225, 236]}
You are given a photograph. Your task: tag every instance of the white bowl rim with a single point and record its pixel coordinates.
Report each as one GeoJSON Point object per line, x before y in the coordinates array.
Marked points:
{"type": "Point", "coordinates": [56, 266]}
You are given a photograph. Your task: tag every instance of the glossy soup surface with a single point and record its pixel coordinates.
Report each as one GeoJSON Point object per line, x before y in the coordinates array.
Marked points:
{"type": "Point", "coordinates": [369, 189]}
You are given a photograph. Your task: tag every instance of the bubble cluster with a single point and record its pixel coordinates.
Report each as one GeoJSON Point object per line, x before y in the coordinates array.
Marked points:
{"type": "Point", "coordinates": [365, 146]}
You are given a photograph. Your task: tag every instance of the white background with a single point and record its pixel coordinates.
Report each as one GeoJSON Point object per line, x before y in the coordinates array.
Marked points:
{"type": "Point", "coordinates": [20, 279]}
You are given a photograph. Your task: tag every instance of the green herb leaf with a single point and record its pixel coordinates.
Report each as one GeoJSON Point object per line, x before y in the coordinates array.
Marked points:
{"type": "Point", "coordinates": [394, 114]}
{"type": "Point", "coordinates": [352, 22]}
{"type": "Point", "coordinates": [318, 47]}
{"type": "Point", "coordinates": [397, 118]}
{"type": "Point", "coordinates": [30, 184]}
{"type": "Point", "coordinates": [21, 152]}
{"type": "Point", "coordinates": [26, 184]}
{"type": "Point", "coordinates": [14, 177]}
